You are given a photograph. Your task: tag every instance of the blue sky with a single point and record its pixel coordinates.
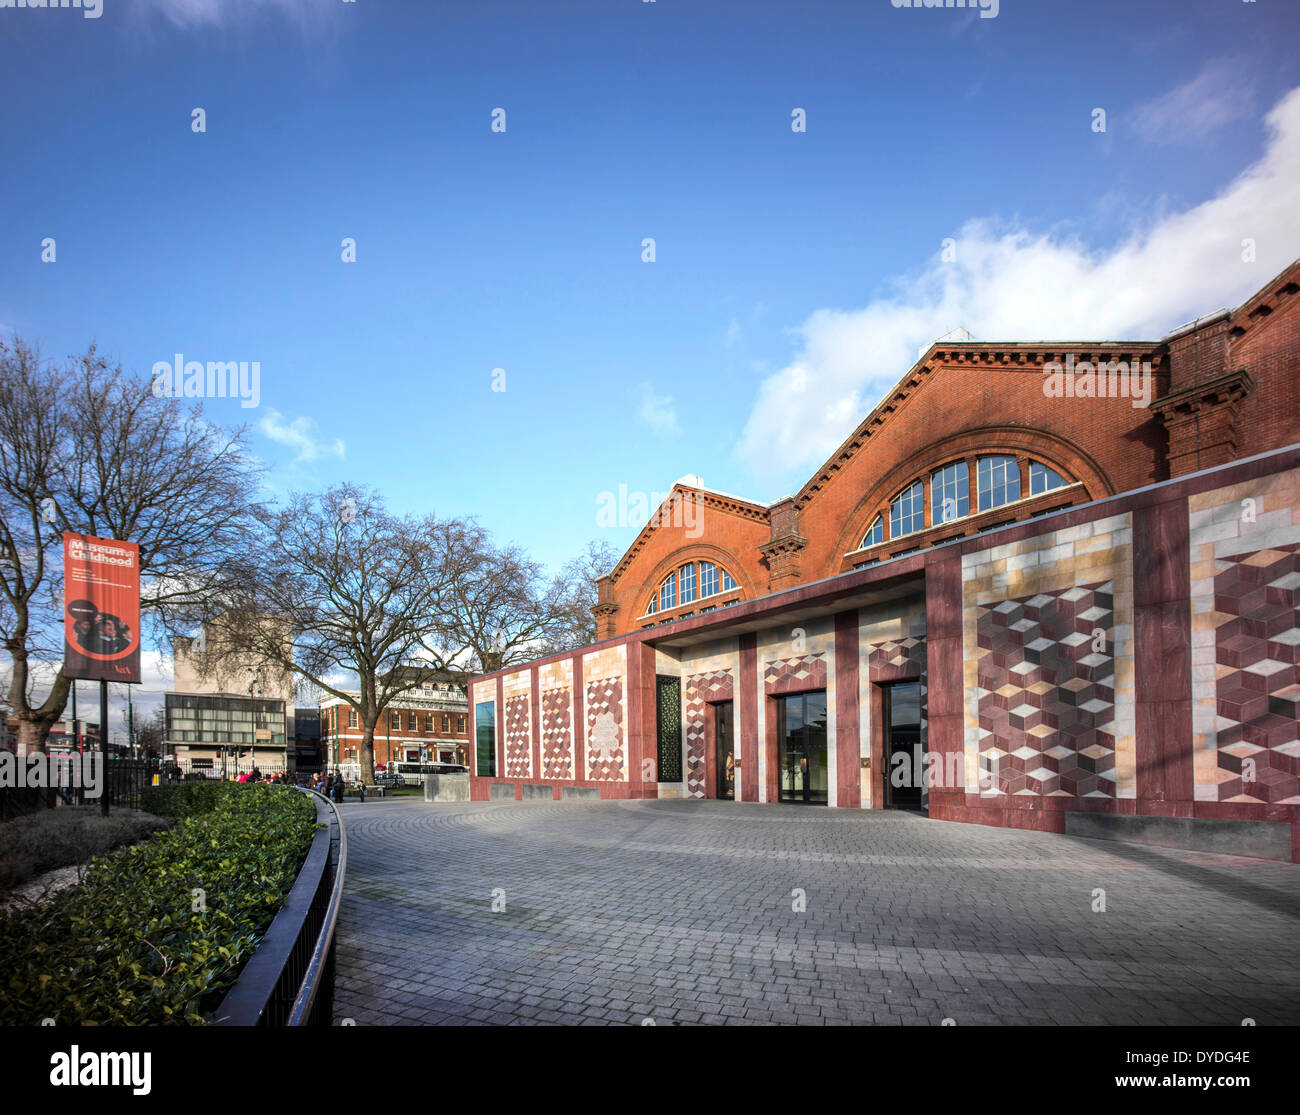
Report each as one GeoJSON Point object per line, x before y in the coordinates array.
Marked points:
{"type": "Point", "coordinates": [776, 250]}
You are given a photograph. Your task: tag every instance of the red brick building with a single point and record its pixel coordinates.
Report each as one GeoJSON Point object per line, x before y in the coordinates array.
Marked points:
{"type": "Point", "coordinates": [1038, 584]}
{"type": "Point", "coordinates": [429, 724]}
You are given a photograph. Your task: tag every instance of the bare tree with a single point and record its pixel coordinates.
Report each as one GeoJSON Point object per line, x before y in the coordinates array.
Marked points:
{"type": "Point", "coordinates": [572, 596]}
{"type": "Point", "coordinates": [88, 448]}
{"type": "Point", "coordinates": [151, 732]}
{"type": "Point", "coordinates": [494, 607]}
{"type": "Point", "coordinates": [340, 589]}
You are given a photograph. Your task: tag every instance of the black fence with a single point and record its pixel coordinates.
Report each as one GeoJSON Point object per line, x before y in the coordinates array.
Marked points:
{"type": "Point", "coordinates": [122, 781]}
{"type": "Point", "coordinates": [289, 981]}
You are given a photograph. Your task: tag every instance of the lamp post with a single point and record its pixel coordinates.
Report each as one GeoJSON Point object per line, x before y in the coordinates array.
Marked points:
{"type": "Point", "coordinates": [252, 708]}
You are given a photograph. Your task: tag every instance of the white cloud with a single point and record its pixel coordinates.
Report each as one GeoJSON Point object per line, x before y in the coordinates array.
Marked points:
{"type": "Point", "coordinates": [659, 412]}
{"type": "Point", "coordinates": [1221, 94]}
{"type": "Point", "coordinates": [734, 333]}
{"type": "Point", "coordinates": [301, 435]}
{"type": "Point", "coordinates": [211, 13]}
{"type": "Point", "coordinates": [1008, 284]}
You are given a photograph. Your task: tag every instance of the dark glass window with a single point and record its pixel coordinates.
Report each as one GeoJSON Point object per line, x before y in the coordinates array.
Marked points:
{"type": "Point", "coordinates": [801, 747]}
{"type": "Point", "coordinates": [485, 723]}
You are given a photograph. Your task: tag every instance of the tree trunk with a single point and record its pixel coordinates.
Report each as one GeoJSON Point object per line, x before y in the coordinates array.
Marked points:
{"type": "Point", "coordinates": [368, 754]}
{"type": "Point", "coordinates": [34, 733]}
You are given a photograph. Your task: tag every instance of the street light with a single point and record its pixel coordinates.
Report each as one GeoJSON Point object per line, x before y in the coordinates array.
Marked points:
{"type": "Point", "coordinates": [252, 682]}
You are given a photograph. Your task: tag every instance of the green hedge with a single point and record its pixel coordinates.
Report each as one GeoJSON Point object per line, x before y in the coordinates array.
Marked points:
{"type": "Point", "coordinates": [185, 799]}
{"type": "Point", "coordinates": [130, 946]}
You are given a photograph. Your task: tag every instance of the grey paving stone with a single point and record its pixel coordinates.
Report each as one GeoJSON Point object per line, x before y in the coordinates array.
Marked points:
{"type": "Point", "coordinates": [680, 911]}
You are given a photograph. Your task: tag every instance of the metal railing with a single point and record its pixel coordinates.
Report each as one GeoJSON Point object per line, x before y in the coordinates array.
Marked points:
{"type": "Point", "coordinates": [289, 980]}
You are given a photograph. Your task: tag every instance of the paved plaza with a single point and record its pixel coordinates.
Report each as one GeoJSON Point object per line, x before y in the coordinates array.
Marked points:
{"type": "Point", "coordinates": [713, 912]}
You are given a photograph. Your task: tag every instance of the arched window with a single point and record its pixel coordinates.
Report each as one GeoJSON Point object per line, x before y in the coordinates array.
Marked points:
{"type": "Point", "coordinates": [668, 592]}
{"type": "Point", "coordinates": [999, 481]}
{"type": "Point", "coordinates": [907, 512]}
{"type": "Point", "coordinates": [1044, 479]}
{"type": "Point", "coordinates": [875, 533]}
{"type": "Point", "coordinates": [950, 493]}
{"type": "Point", "coordinates": [688, 583]}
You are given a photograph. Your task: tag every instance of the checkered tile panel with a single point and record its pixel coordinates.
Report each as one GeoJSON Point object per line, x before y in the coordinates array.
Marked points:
{"type": "Point", "coordinates": [1257, 648]}
{"type": "Point", "coordinates": [1047, 694]}
{"type": "Point", "coordinates": [716, 685]}
{"type": "Point", "coordinates": [557, 739]}
{"type": "Point", "coordinates": [519, 743]}
{"type": "Point", "coordinates": [902, 658]}
{"type": "Point", "coordinates": [808, 671]}
{"type": "Point", "coordinates": [606, 754]}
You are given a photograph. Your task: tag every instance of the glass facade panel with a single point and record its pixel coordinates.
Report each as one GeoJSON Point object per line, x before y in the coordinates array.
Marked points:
{"type": "Point", "coordinates": [801, 742]}
{"type": "Point", "coordinates": [668, 592]}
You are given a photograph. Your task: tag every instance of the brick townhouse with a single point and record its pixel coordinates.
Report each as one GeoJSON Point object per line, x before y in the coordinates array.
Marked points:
{"type": "Point", "coordinates": [430, 723]}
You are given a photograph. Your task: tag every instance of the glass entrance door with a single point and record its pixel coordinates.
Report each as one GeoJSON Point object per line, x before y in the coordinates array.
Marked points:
{"type": "Point", "coordinates": [905, 777]}
{"type": "Point", "coordinates": [725, 750]}
{"type": "Point", "coordinates": [801, 747]}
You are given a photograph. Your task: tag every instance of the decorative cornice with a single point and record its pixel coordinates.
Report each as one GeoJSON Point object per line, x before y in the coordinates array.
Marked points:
{"type": "Point", "coordinates": [1028, 357]}
{"type": "Point", "coordinates": [783, 546]}
{"type": "Point", "coordinates": [1225, 390]}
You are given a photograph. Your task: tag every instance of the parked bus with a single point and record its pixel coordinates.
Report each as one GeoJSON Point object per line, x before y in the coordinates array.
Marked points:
{"type": "Point", "coordinates": [414, 774]}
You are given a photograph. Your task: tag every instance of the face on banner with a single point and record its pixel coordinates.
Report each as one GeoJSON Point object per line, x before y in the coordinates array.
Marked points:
{"type": "Point", "coordinates": [101, 614]}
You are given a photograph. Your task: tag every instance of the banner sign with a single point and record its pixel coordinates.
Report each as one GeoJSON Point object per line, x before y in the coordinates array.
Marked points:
{"type": "Point", "coordinates": [101, 614]}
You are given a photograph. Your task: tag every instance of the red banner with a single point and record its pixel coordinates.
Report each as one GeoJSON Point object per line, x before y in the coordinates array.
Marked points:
{"type": "Point", "coordinates": [101, 613]}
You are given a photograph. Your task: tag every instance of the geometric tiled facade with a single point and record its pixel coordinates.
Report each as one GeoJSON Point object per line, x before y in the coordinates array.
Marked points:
{"type": "Point", "coordinates": [1047, 713]}
{"type": "Point", "coordinates": [557, 737]}
{"type": "Point", "coordinates": [1258, 687]}
{"type": "Point", "coordinates": [606, 752]}
{"type": "Point", "coordinates": [807, 671]}
{"type": "Point", "coordinates": [1245, 554]}
{"type": "Point", "coordinates": [1047, 694]}
{"type": "Point", "coordinates": [519, 744]}
{"type": "Point", "coordinates": [701, 689]}
{"type": "Point", "coordinates": [897, 659]}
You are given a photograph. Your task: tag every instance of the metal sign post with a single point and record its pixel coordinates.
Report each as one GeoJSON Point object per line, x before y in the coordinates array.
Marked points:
{"type": "Point", "coordinates": [103, 744]}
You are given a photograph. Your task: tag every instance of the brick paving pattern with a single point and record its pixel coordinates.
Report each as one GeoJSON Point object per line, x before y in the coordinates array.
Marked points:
{"type": "Point", "coordinates": [681, 912]}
